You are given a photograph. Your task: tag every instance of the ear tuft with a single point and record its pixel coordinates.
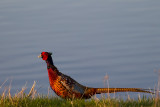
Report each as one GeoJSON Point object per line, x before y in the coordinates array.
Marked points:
{"type": "Point", "coordinates": [50, 53]}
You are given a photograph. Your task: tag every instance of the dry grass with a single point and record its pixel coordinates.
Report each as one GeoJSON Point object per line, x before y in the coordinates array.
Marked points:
{"type": "Point", "coordinates": [33, 98]}
{"type": "Point", "coordinates": [157, 91]}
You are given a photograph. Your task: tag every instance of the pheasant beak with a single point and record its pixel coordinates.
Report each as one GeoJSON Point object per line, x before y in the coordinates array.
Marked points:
{"type": "Point", "coordinates": [40, 56]}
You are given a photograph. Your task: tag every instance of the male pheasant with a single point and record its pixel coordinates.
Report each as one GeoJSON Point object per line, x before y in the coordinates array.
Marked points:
{"type": "Point", "coordinates": [66, 87]}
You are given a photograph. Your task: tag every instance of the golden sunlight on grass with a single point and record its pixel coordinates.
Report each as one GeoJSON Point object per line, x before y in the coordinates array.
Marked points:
{"type": "Point", "coordinates": [34, 99]}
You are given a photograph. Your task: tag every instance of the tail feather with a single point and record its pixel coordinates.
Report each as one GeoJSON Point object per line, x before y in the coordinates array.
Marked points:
{"type": "Point", "coordinates": [113, 90]}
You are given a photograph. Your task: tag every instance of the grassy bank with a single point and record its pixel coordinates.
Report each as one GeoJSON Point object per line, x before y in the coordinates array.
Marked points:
{"type": "Point", "coordinates": [33, 99]}
{"type": "Point", "coordinates": [44, 101]}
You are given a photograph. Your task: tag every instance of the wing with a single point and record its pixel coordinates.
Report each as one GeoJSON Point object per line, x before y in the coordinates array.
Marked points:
{"type": "Point", "coordinates": [71, 85]}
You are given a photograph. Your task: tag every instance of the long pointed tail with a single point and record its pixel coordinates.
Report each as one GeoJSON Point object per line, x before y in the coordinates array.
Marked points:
{"type": "Point", "coordinates": [112, 90]}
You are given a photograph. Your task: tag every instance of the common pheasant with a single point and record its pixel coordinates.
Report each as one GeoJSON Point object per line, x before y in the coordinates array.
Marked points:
{"type": "Point", "coordinates": [66, 87]}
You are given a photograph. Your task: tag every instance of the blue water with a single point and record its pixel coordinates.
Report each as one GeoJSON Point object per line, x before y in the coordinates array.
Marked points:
{"type": "Point", "coordinates": [89, 39]}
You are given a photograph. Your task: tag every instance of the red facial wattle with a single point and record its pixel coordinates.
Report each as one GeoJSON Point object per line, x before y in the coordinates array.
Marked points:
{"type": "Point", "coordinates": [44, 55]}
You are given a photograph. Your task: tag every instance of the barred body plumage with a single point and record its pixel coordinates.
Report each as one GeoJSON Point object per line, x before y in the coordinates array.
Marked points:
{"type": "Point", "coordinates": [66, 87]}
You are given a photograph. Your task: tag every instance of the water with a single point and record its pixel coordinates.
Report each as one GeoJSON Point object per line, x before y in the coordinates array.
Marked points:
{"type": "Point", "coordinates": [89, 39]}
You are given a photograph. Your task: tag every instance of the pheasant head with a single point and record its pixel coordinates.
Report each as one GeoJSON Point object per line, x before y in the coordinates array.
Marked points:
{"type": "Point", "coordinates": [46, 56]}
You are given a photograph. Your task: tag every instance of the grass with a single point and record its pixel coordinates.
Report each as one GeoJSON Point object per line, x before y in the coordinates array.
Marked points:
{"type": "Point", "coordinates": [34, 99]}
{"type": "Point", "coordinates": [44, 101]}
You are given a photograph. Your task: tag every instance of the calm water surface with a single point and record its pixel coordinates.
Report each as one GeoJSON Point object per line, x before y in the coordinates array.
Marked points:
{"type": "Point", "coordinates": [89, 39]}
